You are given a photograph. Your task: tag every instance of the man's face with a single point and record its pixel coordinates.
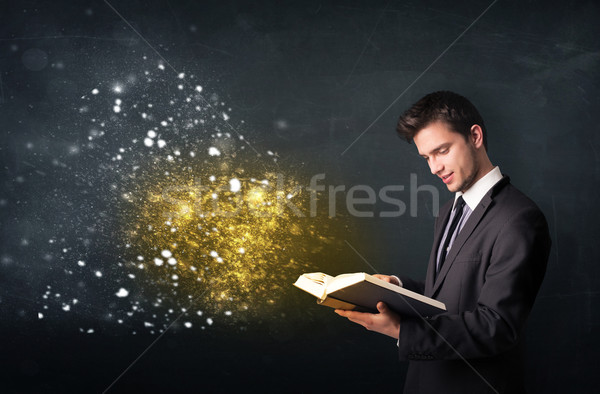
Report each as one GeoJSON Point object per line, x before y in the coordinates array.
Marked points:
{"type": "Point", "coordinates": [449, 155]}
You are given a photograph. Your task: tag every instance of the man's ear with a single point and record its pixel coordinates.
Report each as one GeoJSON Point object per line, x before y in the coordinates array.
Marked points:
{"type": "Point", "coordinates": [476, 136]}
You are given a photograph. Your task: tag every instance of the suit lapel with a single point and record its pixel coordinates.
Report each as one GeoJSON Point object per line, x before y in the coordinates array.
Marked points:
{"type": "Point", "coordinates": [437, 238]}
{"type": "Point", "coordinates": [464, 235]}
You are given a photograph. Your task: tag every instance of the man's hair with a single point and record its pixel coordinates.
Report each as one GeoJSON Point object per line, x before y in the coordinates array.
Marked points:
{"type": "Point", "coordinates": [443, 106]}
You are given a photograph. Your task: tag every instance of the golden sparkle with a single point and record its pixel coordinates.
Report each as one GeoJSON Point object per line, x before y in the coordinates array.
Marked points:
{"type": "Point", "coordinates": [237, 237]}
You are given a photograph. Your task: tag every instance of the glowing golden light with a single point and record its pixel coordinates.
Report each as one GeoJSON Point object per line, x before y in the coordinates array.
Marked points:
{"type": "Point", "coordinates": [237, 240]}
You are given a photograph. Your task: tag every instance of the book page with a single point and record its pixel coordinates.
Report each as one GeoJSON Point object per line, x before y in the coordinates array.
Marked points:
{"type": "Point", "coordinates": [314, 283]}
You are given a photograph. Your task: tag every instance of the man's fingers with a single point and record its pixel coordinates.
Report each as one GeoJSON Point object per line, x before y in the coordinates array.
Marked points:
{"type": "Point", "coordinates": [383, 277]}
{"type": "Point", "coordinates": [389, 279]}
{"type": "Point", "coordinates": [341, 312]}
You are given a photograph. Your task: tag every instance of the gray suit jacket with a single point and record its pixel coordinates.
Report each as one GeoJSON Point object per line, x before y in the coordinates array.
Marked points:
{"type": "Point", "coordinates": [488, 282]}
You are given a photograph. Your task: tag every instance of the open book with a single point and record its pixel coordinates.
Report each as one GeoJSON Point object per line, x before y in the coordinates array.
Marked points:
{"type": "Point", "coordinates": [362, 291]}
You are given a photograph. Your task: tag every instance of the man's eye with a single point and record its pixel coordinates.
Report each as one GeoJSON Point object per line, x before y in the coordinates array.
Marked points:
{"type": "Point", "coordinates": [443, 151]}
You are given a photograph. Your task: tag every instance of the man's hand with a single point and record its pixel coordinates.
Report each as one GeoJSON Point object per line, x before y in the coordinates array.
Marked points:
{"type": "Point", "coordinates": [390, 279]}
{"type": "Point", "coordinates": [385, 322]}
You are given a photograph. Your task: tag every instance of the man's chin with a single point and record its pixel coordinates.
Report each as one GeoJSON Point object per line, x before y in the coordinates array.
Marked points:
{"type": "Point", "coordinates": [452, 188]}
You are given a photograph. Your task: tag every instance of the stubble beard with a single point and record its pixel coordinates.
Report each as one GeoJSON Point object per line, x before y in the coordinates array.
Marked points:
{"type": "Point", "coordinates": [470, 179]}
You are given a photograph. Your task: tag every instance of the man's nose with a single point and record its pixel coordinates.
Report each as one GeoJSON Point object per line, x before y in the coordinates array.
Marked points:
{"type": "Point", "coordinates": [436, 166]}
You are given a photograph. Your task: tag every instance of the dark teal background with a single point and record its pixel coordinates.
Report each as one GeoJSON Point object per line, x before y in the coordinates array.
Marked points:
{"type": "Point", "coordinates": [307, 77]}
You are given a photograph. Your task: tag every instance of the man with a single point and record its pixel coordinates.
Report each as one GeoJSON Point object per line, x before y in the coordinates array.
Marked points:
{"type": "Point", "coordinates": [487, 262]}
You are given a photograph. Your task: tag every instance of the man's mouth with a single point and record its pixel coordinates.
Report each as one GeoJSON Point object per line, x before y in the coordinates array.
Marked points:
{"type": "Point", "coordinates": [447, 178]}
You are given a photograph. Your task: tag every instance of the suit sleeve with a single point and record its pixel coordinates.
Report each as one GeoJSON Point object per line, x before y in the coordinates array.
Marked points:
{"type": "Point", "coordinates": [517, 266]}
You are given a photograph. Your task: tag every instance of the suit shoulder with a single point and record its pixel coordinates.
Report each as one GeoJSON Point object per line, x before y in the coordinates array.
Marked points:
{"type": "Point", "coordinates": [513, 199]}
{"type": "Point", "coordinates": [514, 206]}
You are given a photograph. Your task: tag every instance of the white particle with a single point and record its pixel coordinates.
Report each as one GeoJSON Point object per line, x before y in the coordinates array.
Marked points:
{"type": "Point", "coordinates": [181, 75]}
{"type": "Point", "coordinates": [192, 154]}
{"type": "Point", "coordinates": [118, 88]}
{"type": "Point", "coordinates": [270, 153]}
{"type": "Point", "coordinates": [158, 261]}
{"type": "Point", "coordinates": [118, 101]}
{"type": "Point", "coordinates": [214, 151]}
{"type": "Point", "coordinates": [117, 109]}
{"type": "Point", "coordinates": [219, 260]}
{"type": "Point", "coordinates": [174, 277]}
{"type": "Point", "coordinates": [180, 87]}
{"type": "Point", "coordinates": [187, 324]}
{"type": "Point", "coordinates": [199, 313]}
{"type": "Point", "coordinates": [212, 178]}
{"type": "Point", "coordinates": [81, 263]}
{"type": "Point", "coordinates": [132, 276]}
{"type": "Point", "coordinates": [148, 142]}
{"type": "Point", "coordinates": [225, 116]}
{"type": "Point", "coordinates": [209, 321]}
{"type": "Point", "coordinates": [214, 254]}
{"type": "Point", "coordinates": [166, 253]}
{"type": "Point", "coordinates": [161, 143]}
{"type": "Point", "coordinates": [172, 261]}
{"type": "Point", "coordinates": [40, 315]}
{"type": "Point", "coordinates": [242, 250]}
{"type": "Point", "coordinates": [198, 88]}
{"type": "Point", "coordinates": [99, 274]}
{"type": "Point", "coordinates": [95, 91]}
{"type": "Point", "coordinates": [90, 331]}
{"type": "Point", "coordinates": [122, 293]}
{"type": "Point", "coordinates": [227, 313]}
{"type": "Point", "coordinates": [66, 307]}
{"type": "Point", "coordinates": [151, 133]}
{"type": "Point", "coordinates": [235, 185]}
{"type": "Point", "coordinates": [161, 66]}
{"type": "Point", "coordinates": [140, 258]}
{"type": "Point", "coordinates": [147, 324]}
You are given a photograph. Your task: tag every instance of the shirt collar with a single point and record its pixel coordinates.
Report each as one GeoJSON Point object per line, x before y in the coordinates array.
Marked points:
{"type": "Point", "coordinates": [479, 189]}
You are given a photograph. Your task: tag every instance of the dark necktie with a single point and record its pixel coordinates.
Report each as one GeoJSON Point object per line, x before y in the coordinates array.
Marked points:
{"type": "Point", "coordinates": [458, 207]}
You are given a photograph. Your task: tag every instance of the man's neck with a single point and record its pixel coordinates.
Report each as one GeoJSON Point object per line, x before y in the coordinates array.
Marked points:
{"type": "Point", "coordinates": [475, 193]}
